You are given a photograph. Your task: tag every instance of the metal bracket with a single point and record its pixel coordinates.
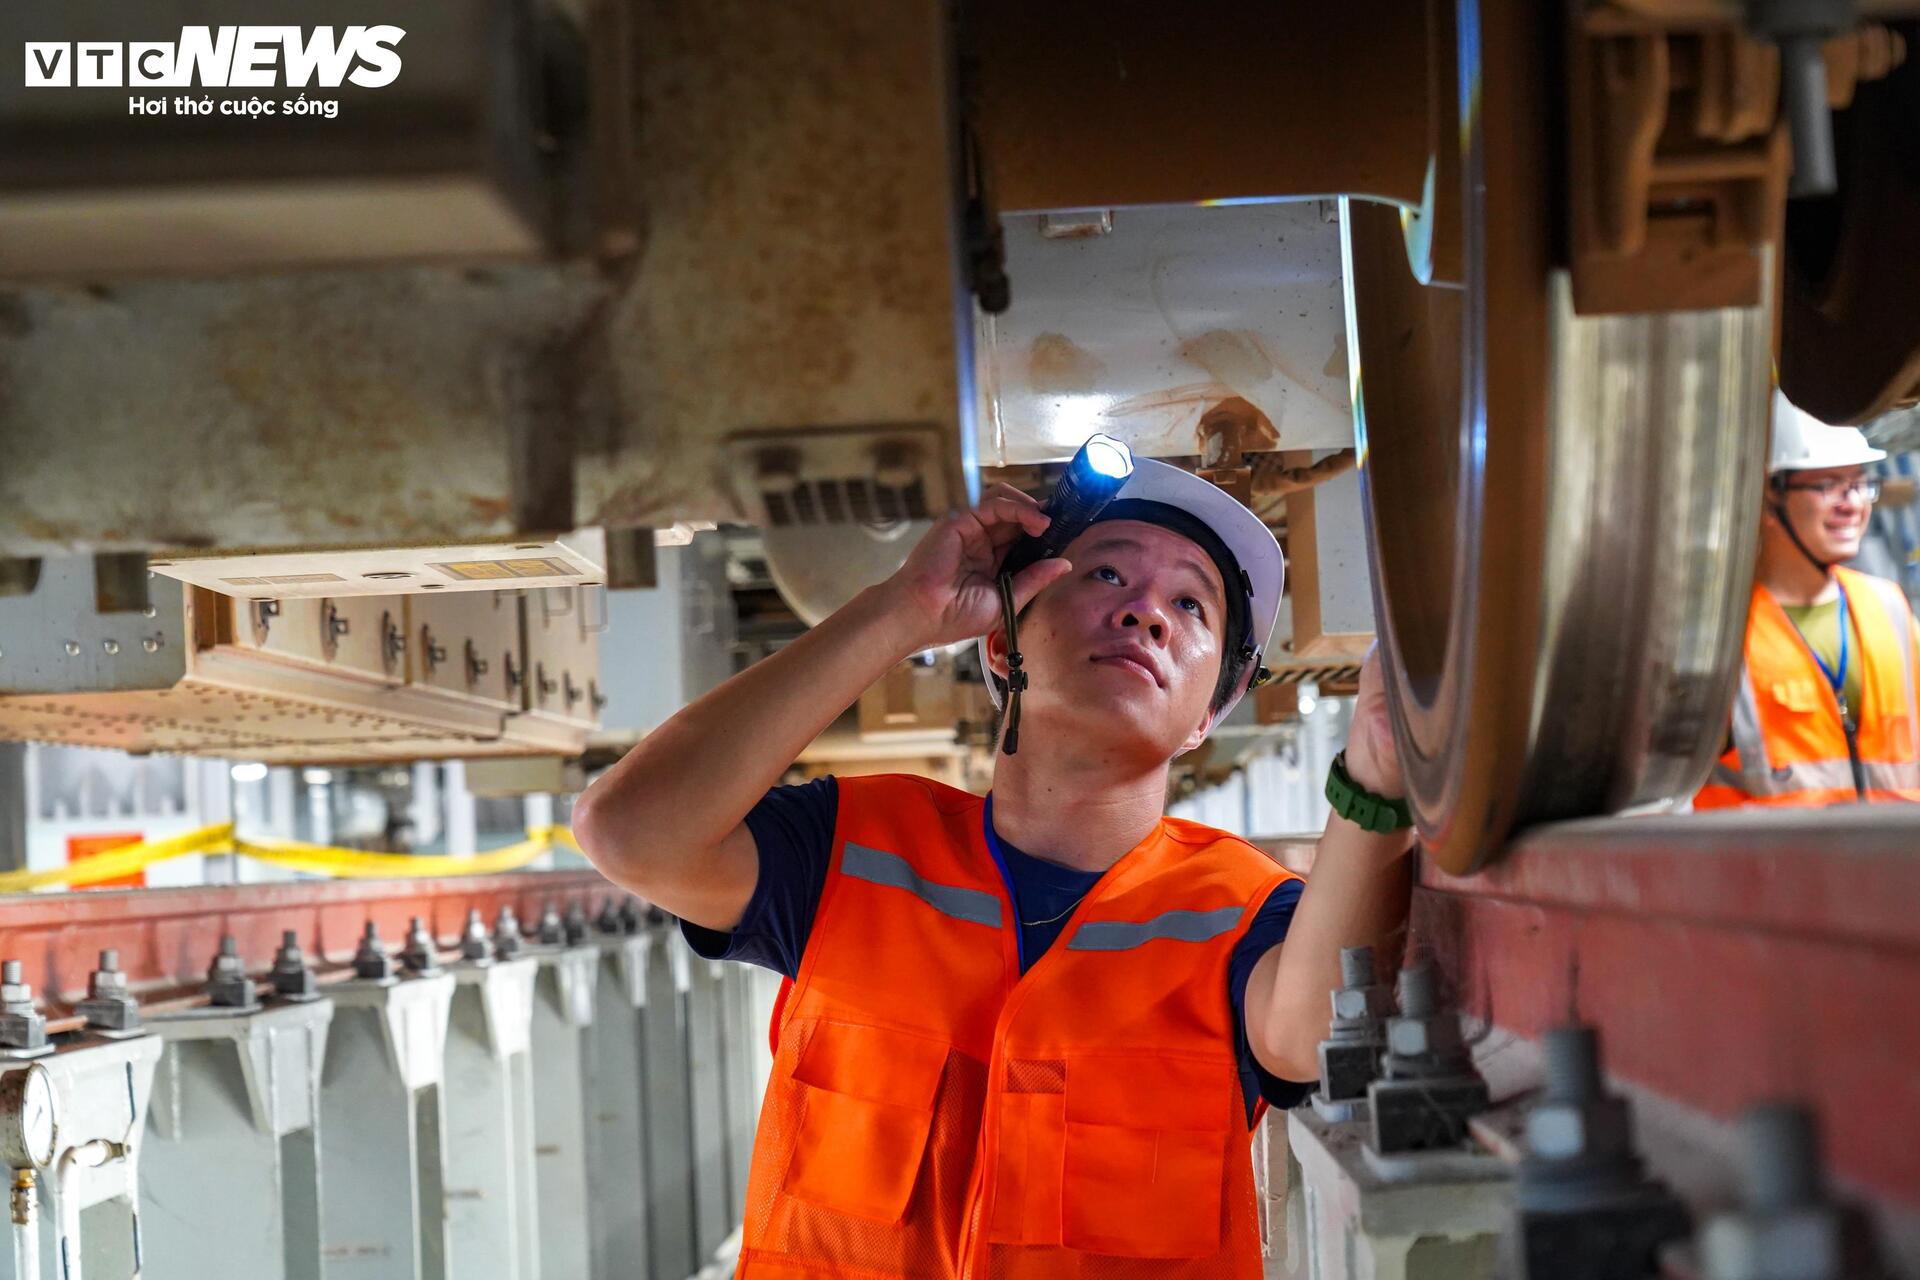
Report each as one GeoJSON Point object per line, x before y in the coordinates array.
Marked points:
{"type": "Point", "coordinates": [476, 665]}
{"type": "Point", "coordinates": [430, 653]}
{"type": "Point", "coordinates": [393, 641]}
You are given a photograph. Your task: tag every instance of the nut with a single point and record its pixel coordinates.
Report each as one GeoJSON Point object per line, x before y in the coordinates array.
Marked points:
{"type": "Point", "coordinates": [1434, 1037]}
{"type": "Point", "coordinates": [1799, 1242]}
{"type": "Point", "coordinates": [1566, 1131]}
{"type": "Point", "coordinates": [371, 961]}
{"type": "Point", "coordinates": [1356, 1004]}
{"type": "Point", "coordinates": [475, 946]}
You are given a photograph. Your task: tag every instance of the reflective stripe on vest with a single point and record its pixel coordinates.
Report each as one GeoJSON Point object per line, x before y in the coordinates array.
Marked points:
{"type": "Point", "coordinates": [975, 906]}
{"type": "Point", "coordinates": [932, 1113]}
{"type": "Point", "coordinates": [1900, 610]}
{"type": "Point", "coordinates": [1818, 775]}
{"type": "Point", "coordinates": [1783, 693]}
{"type": "Point", "coordinates": [1179, 926]}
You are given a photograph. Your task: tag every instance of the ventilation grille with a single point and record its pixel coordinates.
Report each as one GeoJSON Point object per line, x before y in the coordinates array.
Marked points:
{"type": "Point", "coordinates": [844, 500]}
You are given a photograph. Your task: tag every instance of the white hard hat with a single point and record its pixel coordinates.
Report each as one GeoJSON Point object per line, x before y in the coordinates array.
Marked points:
{"type": "Point", "coordinates": [1801, 442]}
{"type": "Point", "coordinates": [1246, 538]}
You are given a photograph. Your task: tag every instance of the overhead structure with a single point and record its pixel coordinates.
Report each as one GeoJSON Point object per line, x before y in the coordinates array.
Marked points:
{"type": "Point", "coordinates": [298, 679]}
{"type": "Point", "coordinates": [810, 267]}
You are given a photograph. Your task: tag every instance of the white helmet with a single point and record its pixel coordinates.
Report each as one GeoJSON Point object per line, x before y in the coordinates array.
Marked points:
{"type": "Point", "coordinates": [1801, 442]}
{"type": "Point", "coordinates": [1247, 539]}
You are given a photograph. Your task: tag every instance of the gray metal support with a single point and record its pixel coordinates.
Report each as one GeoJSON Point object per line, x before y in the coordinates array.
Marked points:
{"type": "Point", "coordinates": [382, 1145]}
{"type": "Point", "coordinates": [89, 1199]}
{"type": "Point", "coordinates": [668, 1120]}
{"type": "Point", "coordinates": [706, 1051]}
{"type": "Point", "coordinates": [563, 1009]}
{"type": "Point", "coordinates": [616, 1139]}
{"type": "Point", "coordinates": [233, 1137]}
{"type": "Point", "coordinates": [492, 1223]}
{"type": "Point", "coordinates": [741, 1036]}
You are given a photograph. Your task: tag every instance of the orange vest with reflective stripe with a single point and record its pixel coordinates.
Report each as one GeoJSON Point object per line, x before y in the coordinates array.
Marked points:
{"type": "Point", "coordinates": [932, 1113]}
{"type": "Point", "coordinates": [1788, 748]}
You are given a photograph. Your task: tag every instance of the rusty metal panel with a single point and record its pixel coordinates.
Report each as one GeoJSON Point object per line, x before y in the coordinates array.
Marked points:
{"type": "Point", "coordinates": [799, 264]}
{"type": "Point", "coordinates": [453, 157]}
{"type": "Point", "coordinates": [1140, 324]}
{"type": "Point", "coordinates": [798, 271]}
{"type": "Point", "coordinates": [336, 409]}
{"type": "Point", "coordinates": [1084, 104]}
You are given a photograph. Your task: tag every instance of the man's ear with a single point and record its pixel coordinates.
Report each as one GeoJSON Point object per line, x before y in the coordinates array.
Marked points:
{"type": "Point", "coordinates": [1199, 735]}
{"type": "Point", "coordinates": [997, 652]}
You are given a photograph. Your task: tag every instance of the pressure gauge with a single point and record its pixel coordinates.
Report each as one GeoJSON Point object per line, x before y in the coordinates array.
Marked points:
{"type": "Point", "coordinates": [29, 1123]}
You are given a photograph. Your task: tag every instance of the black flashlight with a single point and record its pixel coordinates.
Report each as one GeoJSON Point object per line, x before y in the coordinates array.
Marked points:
{"type": "Point", "coordinates": [1093, 479]}
{"type": "Point", "coordinates": [1095, 476]}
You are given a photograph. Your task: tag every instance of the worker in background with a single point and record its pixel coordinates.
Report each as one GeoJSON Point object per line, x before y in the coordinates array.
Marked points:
{"type": "Point", "coordinates": [1824, 712]}
{"type": "Point", "coordinates": [1028, 1035]}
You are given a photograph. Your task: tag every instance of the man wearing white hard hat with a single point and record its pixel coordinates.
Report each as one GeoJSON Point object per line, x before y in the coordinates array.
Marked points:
{"type": "Point", "coordinates": [1825, 712]}
{"type": "Point", "coordinates": [1027, 1034]}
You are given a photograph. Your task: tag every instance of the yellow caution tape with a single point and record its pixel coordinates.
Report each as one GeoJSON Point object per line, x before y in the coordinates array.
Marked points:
{"type": "Point", "coordinates": [317, 859]}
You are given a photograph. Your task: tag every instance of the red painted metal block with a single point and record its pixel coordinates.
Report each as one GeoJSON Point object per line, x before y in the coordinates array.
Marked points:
{"type": "Point", "coordinates": [1726, 959]}
{"type": "Point", "coordinates": [167, 937]}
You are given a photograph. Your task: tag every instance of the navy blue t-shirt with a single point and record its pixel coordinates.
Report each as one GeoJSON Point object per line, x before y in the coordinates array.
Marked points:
{"type": "Point", "coordinates": [793, 829]}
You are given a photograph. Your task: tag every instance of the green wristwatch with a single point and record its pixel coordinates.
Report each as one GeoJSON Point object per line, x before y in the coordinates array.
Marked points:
{"type": "Point", "coordinates": [1362, 807]}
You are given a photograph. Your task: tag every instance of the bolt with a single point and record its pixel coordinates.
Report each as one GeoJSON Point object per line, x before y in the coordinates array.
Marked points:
{"type": "Point", "coordinates": [228, 986]}
{"type": "Point", "coordinates": [1787, 1224]}
{"type": "Point", "coordinates": [151, 644]}
{"type": "Point", "coordinates": [552, 932]}
{"type": "Point", "coordinates": [576, 925]}
{"type": "Point", "coordinates": [15, 995]}
{"type": "Point", "coordinates": [608, 921]}
{"type": "Point", "coordinates": [1356, 966]}
{"type": "Point", "coordinates": [630, 916]}
{"type": "Point", "coordinates": [1573, 1064]}
{"type": "Point", "coordinates": [73, 648]}
{"type": "Point", "coordinates": [291, 976]}
{"type": "Point", "coordinates": [107, 980]}
{"type": "Point", "coordinates": [110, 647]}
{"type": "Point", "coordinates": [506, 934]}
{"type": "Point", "coordinates": [21, 1027]}
{"type": "Point", "coordinates": [1781, 1165]}
{"type": "Point", "coordinates": [1578, 1130]}
{"type": "Point", "coordinates": [475, 945]}
{"type": "Point", "coordinates": [1419, 996]}
{"type": "Point", "coordinates": [420, 956]}
{"type": "Point", "coordinates": [108, 1005]}
{"type": "Point", "coordinates": [371, 961]}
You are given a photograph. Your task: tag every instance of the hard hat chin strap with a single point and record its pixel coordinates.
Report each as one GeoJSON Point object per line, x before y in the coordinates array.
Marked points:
{"type": "Point", "coordinates": [1780, 513]}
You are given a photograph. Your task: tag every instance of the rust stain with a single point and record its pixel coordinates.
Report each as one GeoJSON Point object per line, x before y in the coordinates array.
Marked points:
{"type": "Point", "coordinates": [1186, 395]}
{"type": "Point", "coordinates": [1057, 365]}
{"type": "Point", "coordinates": [1336, 365]}
{"type": "Point", "coordinates": [489, 509]}
{"type": "Point", "coordinates": [1240, 427]}
{"type": "Point", "coordinates": [1235, 357]}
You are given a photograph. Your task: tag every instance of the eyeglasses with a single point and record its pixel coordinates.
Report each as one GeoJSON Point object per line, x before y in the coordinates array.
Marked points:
{"type": "Point", "coordinates": [1865, 488]}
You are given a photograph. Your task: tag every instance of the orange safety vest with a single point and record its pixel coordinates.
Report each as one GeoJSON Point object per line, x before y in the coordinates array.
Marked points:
{"type": "Point", "coordinates": [1788, 748]}
{"type": "Point", "coordinates": [932, 1113]}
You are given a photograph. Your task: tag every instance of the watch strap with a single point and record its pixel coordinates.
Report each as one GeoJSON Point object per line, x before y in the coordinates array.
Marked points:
{"type": "Point", "coordinates": [1362, 807]}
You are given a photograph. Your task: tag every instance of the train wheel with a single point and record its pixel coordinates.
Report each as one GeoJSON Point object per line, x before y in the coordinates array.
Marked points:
{"type": "Point", "coordinates": [1563, 509]}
